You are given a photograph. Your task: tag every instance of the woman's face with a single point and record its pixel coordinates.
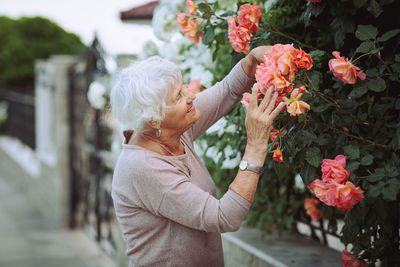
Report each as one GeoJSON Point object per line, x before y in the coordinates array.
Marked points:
{"type": "Point", "coordinates": [180, 113]}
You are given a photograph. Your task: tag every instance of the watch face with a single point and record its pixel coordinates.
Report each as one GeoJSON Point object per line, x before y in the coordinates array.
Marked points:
{"type": "Point", "coordinates": [243, 165]}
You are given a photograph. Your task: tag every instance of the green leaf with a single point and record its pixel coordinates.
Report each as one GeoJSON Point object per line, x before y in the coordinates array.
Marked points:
{"type": "Point", "coordinates": [374, 8]}
{"type": "Point", "coordinates": [377, 175]}
{"type": "Point", "coordinates": [352, 166]}
{"type": "Point", "coordinates": [392, 171]}
{"type": "Point", "coordinates": [391, 189]}
{"type": "Point", "coordinates": [388, 35]}
{"type": "Point", "coordinates": [314, 157]}
{"type": "Point", "coordinates": [208, 36]}
{"type": "Point", "coordinates": [324, 139]}
{"type": "Point", "coordinates": [377, 85]}
{"type": "Point", "coordinates": [364, 47]}
{"type": "Point", "coordinates": [367, 160]}
{"type": "Point", "coordinates": [358, 91]}
{"type": "Point", "coordinates": [308, 173]}
{"type": "Point", "coordinates": [316, 54]}
{"type": "Point", "coordinates": [359, 3]}
{"type": "Point", "coordinates": [204, 7]}
{"type": "Point", "coordinates": [376, 190]}
{"type": "Point", "coordinates": [366, 32]}
{"type": "Point", "coordinates": [353, 151]}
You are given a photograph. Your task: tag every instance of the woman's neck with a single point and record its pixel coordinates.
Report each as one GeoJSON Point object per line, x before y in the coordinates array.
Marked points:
{"type": "Point", "coordinates": [165, 145]}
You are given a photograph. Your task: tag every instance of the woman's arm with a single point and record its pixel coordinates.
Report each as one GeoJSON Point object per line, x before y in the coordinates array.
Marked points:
{"type": "Point", "coordinates": [259, 118]}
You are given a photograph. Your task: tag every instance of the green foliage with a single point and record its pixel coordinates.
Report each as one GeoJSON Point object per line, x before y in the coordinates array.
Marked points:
{"type": "Point", "coordinates": [28, 38]}
{"type": "Point", "coordinates": [360, 121]}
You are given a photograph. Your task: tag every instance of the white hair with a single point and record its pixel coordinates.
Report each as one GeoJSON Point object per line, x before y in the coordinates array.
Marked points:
{"type": "Point", "coordinates": [140, 92]}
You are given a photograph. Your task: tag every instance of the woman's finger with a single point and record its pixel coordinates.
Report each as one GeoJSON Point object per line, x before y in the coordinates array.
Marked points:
{"type": "Point", "coordinates": [277, 110]}
{"type": "Point", "coordinates": [253, 98]}
{"type": "Point", "coordinates": [266, 100]}
{"type": "Point", "coordinates": [271, 104]}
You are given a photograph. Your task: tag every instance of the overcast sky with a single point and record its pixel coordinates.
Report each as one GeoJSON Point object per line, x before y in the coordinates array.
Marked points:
{"type": "Point", "coordinates": [84, 17]}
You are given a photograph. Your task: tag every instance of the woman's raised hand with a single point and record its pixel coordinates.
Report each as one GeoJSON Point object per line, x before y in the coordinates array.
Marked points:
{"type": "Point", "coordinates": [255, 57]}
{"type": "Point", "coordinates": [259, 118]}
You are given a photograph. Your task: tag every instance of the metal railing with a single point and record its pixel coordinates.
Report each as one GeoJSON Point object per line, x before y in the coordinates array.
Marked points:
{"type": "Point", "coordinates": [20, 116]}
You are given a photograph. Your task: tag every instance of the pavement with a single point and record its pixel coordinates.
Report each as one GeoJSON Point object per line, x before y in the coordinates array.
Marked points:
{"type": "Point", "coordinates": [27, 239]}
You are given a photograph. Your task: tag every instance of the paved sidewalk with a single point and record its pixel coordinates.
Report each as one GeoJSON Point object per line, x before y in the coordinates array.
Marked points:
{"type": "Point", "coordinates": [26, 240]}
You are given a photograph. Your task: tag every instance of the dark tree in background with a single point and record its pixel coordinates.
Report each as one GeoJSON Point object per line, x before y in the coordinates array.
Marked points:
{"type": "Point", "coordinates": [28, 38]}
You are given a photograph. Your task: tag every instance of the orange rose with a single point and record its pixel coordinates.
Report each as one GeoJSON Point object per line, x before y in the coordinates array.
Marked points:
{"type": "Point", "coordinates": [191, 7]}
{"type": "Point", "coordinates": [349, 260]}
{"type": "Point", "coordinates": [301, 59]}
{"type": "Point", "coordinates": [344, 69]}
{"type": "Point", "coordinates": [194, 86]}
{"type": "Point", "coordinates": [249, 17]}
{"type": "Point", "coordinates": [335, 169]}
{"type": "Point", "coordinates": [296, 107]}
{"type": "Point", "coordinates": [277, 155]}
{"type": "Point", "coordinates": [238, 36]}
{"type": "Point", "coordinates": [274, 134]}
{"type": "Point", "coordinates": [190, 29]}
{"type": "Point", "coordinates": [267, 77]}
{"type": "Point", "coordinates": [310, 205]}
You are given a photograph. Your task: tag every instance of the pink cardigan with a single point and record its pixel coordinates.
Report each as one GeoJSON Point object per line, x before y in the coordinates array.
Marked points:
{"type": "Point", "coordinates": [167, 205]}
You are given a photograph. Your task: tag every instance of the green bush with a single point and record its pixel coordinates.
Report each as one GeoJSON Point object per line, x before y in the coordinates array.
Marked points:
{"type": "Point", "coordinates": [361, 121]}
{"type": "Point", "coordinates": [26, 39]}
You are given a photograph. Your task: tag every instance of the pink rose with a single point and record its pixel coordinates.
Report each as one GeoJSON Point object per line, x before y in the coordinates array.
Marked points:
{"type": "Point", "coordinates": [191, 7]}
{"type": "Point", "coordinates": [349, 260]}
{"type": "Point", "coordinates": [246, 99]}
{"type": "Point", "coordinates": [194, 86]}
{"type": "Point", "coordinates": [267, 77]}
{"type": "Point", "coordinates": [238, 36]}
{"type": "Point", "coordinates": [341, 196]}
{"type": "Point", "coordinates": [249, 17]}
{"type": "Point", "coordinates": [335, 169]}
{"type": "Point", "coordinates": [310, 205]}
{"type": "Point", "coordinates": [344, 69]}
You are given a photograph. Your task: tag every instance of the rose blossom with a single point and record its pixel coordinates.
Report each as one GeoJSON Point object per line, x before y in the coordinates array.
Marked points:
{"type": "Point", "coordinates": [274, 134]}
{"type": "Point", "coordinates": [267, 77]}
{"type": "Point", "coordinates": [294, 105]}
{"type": "Point", "coordinates": [301, 59]}
{"type": "Point", "coordinates": [191, 7]}
{"type": "Point", "coordinates": [194, 86]}
{"type": "Point", "coordinates": [335, 169]}
{"type": "Point", "coordinates": [344, 197]}
{"type": "Point", "coordinates": [246, 98]}
{"type": "Point", "coordinates": [249, 17]}
{"type": "Point", "coordinates": [310, 205]}
{"type": "Point", "coordinates": [280, 57]}
{"type": "Point", "coordinates": [190, 28]}
{"type": "Point", "coordinates": [277, 155]}
{"type": "Point", "coordinates": [239, 36]}
{"type": "Point", "coordinates": [349, 260]}
{"type": "Point", "coordinates": [341, 196]}
{"type": "Point", "coordinates": [343, 69]}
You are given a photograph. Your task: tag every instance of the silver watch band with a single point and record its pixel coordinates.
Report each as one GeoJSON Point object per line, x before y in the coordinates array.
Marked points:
{"type": "Point", "coordinates": [244, 165]}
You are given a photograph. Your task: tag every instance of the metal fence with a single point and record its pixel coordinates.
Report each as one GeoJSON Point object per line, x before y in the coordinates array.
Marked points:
{"type": "Point", "coordinates": [20, 121]}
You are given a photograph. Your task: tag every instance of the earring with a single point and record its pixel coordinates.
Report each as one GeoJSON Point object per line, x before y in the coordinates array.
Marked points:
{"type": "Point", "coordinates": [158, 132]}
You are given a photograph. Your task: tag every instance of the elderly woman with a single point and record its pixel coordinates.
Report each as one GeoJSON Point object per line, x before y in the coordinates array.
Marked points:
{"type": "Point", "coordinates": [164, 197]}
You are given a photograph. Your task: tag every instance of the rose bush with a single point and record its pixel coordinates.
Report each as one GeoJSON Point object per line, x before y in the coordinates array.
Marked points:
{"type": "Point", "coordinates": [353, 110]}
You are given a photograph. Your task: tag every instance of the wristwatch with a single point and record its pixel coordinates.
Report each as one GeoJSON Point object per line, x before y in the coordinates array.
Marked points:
{"type": "Point", "coordinates": [244, 165]}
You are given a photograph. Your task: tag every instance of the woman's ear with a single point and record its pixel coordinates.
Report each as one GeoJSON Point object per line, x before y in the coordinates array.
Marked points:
{"type": "Point", "coordinates": [154, 124]}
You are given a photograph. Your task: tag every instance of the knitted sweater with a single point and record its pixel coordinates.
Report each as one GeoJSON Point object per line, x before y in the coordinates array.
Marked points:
{"type": "Point", "coordinates": [166, 205]}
